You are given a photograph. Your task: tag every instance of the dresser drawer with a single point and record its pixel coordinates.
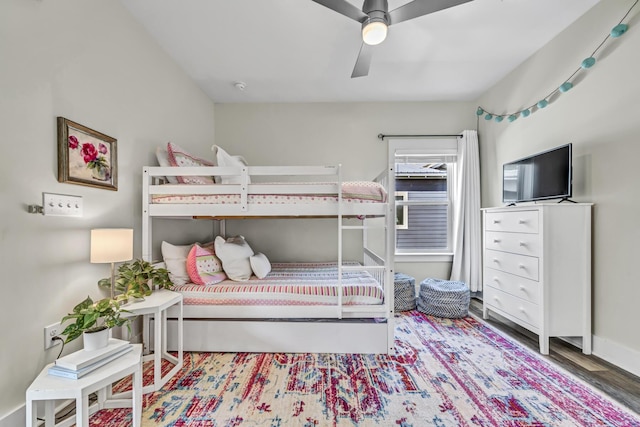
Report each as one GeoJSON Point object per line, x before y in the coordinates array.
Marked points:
{"type": "Point", "coordinates": [526, 289]}
{"type": "Point", "coordinates": [519, 243]}
{"type": "Point", "coordinates": [520, 309]}
{"type": "Point", "coordinates": [520, 265]}
{"type": "Point", "coordinates": [513, 221]}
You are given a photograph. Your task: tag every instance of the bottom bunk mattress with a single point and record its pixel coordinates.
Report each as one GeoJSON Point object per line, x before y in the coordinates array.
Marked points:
{"type": "Point", "coordinates": [290, 284]}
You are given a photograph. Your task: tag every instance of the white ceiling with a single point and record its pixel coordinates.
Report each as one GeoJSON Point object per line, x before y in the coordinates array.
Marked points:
{"type": "Point", "coordinates": [300, 51]}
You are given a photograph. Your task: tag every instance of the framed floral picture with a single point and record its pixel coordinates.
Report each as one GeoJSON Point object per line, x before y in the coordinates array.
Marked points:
{"type": "Point", "coordinates": [86, 157]}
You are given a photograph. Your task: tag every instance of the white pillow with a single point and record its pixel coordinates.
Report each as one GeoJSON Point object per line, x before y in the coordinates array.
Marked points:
{"type": "Point", "coordinates": [225, 159]}
{"type": "Point", "coordinates": [175, 257]}
{"type": "Point", "coordinates": [234, 254]}
{"type": "Point", "coordinates": [260, 265]}
{"type": "Point", "coordinates": [163, 160]}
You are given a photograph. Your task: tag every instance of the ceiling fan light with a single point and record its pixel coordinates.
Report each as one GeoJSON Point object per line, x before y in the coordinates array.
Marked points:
{"type": "Point", "coordinates": [374, 32]}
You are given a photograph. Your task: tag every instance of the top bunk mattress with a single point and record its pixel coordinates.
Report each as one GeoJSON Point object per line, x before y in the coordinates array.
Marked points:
{"type": "Point", "coordinates": [352, 192]}
{"type": "Point", "coordinates": [290, 284]}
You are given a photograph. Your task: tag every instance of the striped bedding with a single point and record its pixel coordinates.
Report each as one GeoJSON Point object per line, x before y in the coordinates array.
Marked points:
{"type": "Point", "coordinates": [352, 192]}
{"type": "Point", "coordinates": [290, 284]}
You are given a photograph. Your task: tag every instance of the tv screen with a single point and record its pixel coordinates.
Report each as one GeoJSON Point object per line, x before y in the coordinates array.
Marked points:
{"type": "Point", "coordinates": [545, 175]}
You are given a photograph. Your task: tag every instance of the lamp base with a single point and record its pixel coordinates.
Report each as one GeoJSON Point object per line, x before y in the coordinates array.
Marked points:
{"type": "Point", "coordinates": [113, 280]}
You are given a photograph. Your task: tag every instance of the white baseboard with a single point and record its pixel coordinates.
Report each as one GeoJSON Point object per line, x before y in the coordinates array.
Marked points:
{"type": "Point", "coordinates": [610, 351]}
{"type": "Point", "coordinates": [14, 418]}
{"type": "Point", "coordinates": [18, 416]}
{"type": "Point", "coordinates": [619, 355]}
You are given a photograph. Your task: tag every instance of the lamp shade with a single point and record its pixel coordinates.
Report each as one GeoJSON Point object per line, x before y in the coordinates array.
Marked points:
{"type": "Point", "coordinates": [111, 245]}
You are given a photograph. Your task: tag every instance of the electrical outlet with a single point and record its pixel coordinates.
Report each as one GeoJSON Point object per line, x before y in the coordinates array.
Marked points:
{"type": "Point", "coordinates": [61, 205]}
{"type": "Point", "coordinates": [51, 331]}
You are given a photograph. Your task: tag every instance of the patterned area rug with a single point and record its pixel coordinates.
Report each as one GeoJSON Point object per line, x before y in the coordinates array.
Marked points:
{"type": "Point", "coordinates": [446, 372]}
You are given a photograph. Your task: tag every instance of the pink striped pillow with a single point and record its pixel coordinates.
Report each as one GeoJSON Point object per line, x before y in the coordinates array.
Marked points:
{"type": "Point", "coordinates": [203, 266]}
{"type": "Point", "coordinates": [179, 157]}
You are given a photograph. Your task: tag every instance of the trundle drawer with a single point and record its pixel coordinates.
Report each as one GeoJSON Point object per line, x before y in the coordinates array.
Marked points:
{"type": "Point", "coordinates": [519, 243]}
{"type": "Point", "coordinates": [526, 289]}
{"type": "Point", "coordinates": [520, 265]}
{"type": "Point", "coordinates": [520, 309]}
{"type": "Point", "coordinates": [515, 222]}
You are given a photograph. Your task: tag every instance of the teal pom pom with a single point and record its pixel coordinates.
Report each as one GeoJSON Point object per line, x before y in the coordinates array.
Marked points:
{"type": "Point", "coordinates": [588, 63]}
{"type": "Point", "coordinates": [511, 118]}
{"type": "Point", "coordinates": [542, 103]}
{"type": "Point", "coordinates": [488, 116]}
{"type": "Point", "coordinates": [619, 30]}
{"type": "Point", "coordinates": [525, 113]}
{"type": "Point", "coordinates": [499, 119]}
{"type": "Point", "coordinates": [565, 87]}
{"type": "Point", "coordinates": [479, 111]}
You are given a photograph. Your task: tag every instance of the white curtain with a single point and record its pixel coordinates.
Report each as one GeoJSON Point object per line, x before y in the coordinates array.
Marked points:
{"type": "Point", "coordinates": [467, 256]}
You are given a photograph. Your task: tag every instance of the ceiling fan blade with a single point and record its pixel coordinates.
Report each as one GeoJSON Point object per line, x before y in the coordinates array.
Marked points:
{"type": "Point", "coordinates": [418, 8]}
{"type": "Point", "coordinates": [363, 62]}
{"type": "Point", "coordinates": [345, 8]}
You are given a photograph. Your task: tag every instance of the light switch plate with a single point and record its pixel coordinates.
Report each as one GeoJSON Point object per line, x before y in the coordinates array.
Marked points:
{"type": "Point", "coordinates": [61, 205]}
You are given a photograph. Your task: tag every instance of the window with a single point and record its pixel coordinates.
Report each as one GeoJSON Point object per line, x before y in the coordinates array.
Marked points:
{"type": "Point", "coordinates": [424, 177]}
{"type": "Point", "coordinates": [402, 211]}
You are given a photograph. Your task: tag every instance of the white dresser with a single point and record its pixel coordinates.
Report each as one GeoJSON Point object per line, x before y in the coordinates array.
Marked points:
{"type": "Point", "coordinates": [537, 269]}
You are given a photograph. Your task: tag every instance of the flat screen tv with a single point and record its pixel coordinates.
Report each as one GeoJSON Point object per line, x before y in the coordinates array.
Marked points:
{"type": "Point", "coordinates": [542, 176]}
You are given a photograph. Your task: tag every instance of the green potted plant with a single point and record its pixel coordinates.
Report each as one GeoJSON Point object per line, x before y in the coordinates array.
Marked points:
{"type": "Point", "coordinates": [135, 278]}
{"type": "Point", "coordinates": [94, 318]}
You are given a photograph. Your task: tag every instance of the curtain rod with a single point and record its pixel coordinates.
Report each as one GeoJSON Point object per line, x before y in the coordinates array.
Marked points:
{"type": "Point", "coordinates": [382, 136]}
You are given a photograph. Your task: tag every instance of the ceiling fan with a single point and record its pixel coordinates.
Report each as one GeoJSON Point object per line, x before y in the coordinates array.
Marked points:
{"type": "Point", "coordinates": [376, 18]}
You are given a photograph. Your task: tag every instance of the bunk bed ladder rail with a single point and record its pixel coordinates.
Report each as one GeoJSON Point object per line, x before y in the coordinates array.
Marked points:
{"type": "Point", "coordinates": [340, 229]}
{"type": "Point", "coordinates": [380, 266]}
{"type": "Point", "coordinates": [146, 218]}
{"type": "Point", "coordinates": [373, 264]}
{"type": "Point", "coordinates": [386, 275]}
{"type": "Point", "coordinates": [244, 188]}
{"type": "Point", "coordinates": [389, 182]}
{"type": "Point", "coordinates": [379, 262]}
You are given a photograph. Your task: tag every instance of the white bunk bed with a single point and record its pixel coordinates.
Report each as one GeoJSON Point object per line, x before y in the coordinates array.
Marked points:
{"type": "Point", "coordinates": [340, 326]}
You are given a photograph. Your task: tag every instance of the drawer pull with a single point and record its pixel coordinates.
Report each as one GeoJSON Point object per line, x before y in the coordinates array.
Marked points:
{"type": "Point", "coordinates": [522, 221]}
{"type": "Point", "coordinates": [496, 261]}
{"type": "Point", "coordinates": [522, 288]}
{"type": "Point", "coordinates": [523, 244]}
{"type": "Point", "coordinates": [496, 221]}
{"type": "Point", "coordinates": [495, 280]}
{"type": "Point", "coordinates": [522, 267]}
{"type": "Point", "coordinates": [496, 240]}
{"type": "Point", "coordinates": [521, 309]}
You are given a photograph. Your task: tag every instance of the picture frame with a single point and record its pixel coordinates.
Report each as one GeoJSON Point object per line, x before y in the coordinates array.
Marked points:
{"type": "Point", "coordinates": [86, 157]}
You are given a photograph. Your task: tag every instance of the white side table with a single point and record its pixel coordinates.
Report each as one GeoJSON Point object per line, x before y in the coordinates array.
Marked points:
{"type": "Point", "coordinates": [156, 305]}
{"type": "Point", "coordinates": [50, 388]}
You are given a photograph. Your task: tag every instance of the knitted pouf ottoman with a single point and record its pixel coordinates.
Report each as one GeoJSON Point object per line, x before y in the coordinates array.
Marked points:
{"type": "Point", "coordinates": [444, 298]}
{"type": "Point", "coordinates": [404, 292]}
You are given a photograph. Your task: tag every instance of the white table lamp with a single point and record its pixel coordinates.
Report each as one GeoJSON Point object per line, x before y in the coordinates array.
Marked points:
{"type": "Point", "coordinates": [111, 245]}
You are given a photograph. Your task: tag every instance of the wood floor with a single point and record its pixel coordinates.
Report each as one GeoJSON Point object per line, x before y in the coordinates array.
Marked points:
{"type": "Point", "coordinates": [618, 384]}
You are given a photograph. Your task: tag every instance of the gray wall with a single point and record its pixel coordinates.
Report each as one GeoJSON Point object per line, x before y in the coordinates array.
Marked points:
{"type": "Point", "coordinates": [600, 117]}
{"type": "Point", "coordinates": [88, 61]}
{"type": "Point", "coordinates": [328, 133]}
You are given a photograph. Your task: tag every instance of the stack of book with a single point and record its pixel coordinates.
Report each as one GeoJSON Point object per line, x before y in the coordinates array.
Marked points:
{"type": "Point", "coordinates": [80, 363]}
